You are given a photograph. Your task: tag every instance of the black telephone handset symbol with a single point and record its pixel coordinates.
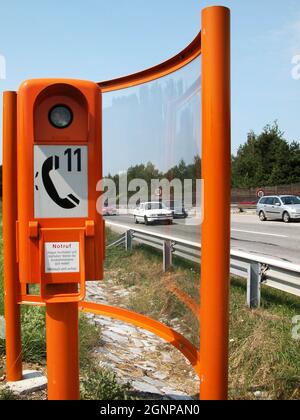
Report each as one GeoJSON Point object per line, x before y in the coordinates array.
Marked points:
{"type": "Point", "coordinates": [69, 202]}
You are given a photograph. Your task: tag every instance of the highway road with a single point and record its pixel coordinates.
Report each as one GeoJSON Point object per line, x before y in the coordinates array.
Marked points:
{"type": "Point", "coordinates": [272, 239]}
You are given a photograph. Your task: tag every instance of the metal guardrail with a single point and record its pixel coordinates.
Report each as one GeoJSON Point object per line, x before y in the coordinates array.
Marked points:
{"type": "Point", "coordinates": [258, 270]}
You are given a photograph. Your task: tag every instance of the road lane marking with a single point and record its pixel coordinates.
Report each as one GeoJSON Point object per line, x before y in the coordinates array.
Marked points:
{"type": "Point", "coordinates": [125, 225]}
{"type": "Point", "coordinates": [259, 233]}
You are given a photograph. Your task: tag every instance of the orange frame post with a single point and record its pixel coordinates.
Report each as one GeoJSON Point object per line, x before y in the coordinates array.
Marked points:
{"type": "Point", "coordinates": [11, 285]}
{"type": "Point", "coordinates": [63, 349]}
{"type": "Point", "coordinates": [216, 164]}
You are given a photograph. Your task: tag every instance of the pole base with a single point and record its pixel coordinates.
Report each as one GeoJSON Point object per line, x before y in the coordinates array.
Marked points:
{"type": "Point", "coordinates": [32, 381]}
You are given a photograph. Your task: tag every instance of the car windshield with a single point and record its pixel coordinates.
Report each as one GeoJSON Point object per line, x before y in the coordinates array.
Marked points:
{"type": "Point", "coordinates": [155, 206]}
{"type": "Point", "coordinates": [289, 201]}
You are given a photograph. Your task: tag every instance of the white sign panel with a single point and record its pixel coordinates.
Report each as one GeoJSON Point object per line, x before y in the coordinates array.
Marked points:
{"type": "Point", "coordinates": [62, 257]}
{"type": "Point", "coordinates": [60, 182]}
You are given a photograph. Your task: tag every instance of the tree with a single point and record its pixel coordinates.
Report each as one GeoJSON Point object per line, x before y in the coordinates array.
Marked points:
{"type": "Point", "coordinates": [149, 172]}
{"type": "Point", "coordinates": [266, 159]}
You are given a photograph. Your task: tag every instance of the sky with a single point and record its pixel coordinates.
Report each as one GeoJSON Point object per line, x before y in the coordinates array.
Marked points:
{"type": "Point", "coordinates": [100, 39]}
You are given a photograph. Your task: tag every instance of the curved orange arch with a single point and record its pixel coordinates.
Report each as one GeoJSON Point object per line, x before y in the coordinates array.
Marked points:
{"type": "Point", "coordinates": [168, 334]}
{"type": "Point", "coordinates": [186, 56]}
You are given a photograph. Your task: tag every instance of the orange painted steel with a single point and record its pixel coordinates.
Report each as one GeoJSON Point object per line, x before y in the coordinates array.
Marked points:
{"type": "Point", "coordinates": [184, 297]}
{"type": "Point", "coordinates": [11, 285]}
{"type": "Point", "coordinates": [62, 349]}
{"type": "Point", "coordinates": [62, 318]}
{"type": "Point", "coordinates": [185, 57]}
{"type": "Point", "coordinates": [35, 99]}
{"type": "Point", "coordinates": [59, 290]}
{"type": "Point", "coordinates": [216, 158]}
{"type": "Point", "coordinates": [157, 328]}
{"type": "Point", "coordinates": [148, 324]}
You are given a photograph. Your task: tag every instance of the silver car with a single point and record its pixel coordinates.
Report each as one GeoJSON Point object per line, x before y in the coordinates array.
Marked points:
{"type": "Point", "coordinates": [280, 207]}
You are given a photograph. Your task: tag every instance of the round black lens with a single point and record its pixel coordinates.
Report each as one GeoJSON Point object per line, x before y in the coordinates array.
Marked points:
{"type": "Point", "coordinates": [61, 116]}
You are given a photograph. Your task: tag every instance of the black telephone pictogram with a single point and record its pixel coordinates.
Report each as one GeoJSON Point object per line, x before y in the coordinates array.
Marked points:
{"type": "Point", "coordinates": [69, 202]}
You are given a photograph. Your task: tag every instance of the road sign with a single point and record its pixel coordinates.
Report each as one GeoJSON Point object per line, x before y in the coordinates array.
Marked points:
{"type": "Point", "coordinates": [60, 181]}
{"type": "Point", "coordinates": [158, 192]}
{"type": "Point", "coordinates": [260, 193]}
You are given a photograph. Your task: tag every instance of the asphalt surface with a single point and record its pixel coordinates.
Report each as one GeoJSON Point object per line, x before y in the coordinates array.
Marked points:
{"type": "Point", "coordinates": [272, 239]}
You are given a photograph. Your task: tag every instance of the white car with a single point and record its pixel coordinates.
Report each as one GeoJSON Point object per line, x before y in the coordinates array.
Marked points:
{"type": "Point", "coordinates": [152, 212]}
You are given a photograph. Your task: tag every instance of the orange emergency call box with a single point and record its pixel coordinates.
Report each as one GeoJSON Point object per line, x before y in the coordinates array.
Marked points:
{"type": "Point", "coordinates": [59, 163]}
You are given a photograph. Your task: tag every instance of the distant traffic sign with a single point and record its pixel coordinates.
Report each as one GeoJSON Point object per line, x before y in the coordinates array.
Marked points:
{"type": "Point", "coordinates": [260, 193]}
{"type": "Point", "coordinates": [158, 192]}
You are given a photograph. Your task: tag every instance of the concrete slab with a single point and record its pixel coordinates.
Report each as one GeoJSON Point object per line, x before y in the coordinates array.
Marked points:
{"type": "Point", "coordinates": [32, 381]}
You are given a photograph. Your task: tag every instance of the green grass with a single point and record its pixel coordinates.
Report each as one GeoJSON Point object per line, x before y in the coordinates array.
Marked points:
{"type": "Point", "coordinates": [151, 289]}
{"type": "Point", "coordinates": [34, 336]}
{"type": "Point", "coordinates": [263, 355]}
{"type": "Point", "coordinates": [99, 383]}
{"type": "Point", "coordinates": [6, 394]}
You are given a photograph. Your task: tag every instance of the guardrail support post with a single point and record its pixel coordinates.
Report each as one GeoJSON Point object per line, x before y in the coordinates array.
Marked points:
{"type": "Point", "coordinates": [128, 240]}
{"type": "Point", "coordinates": [254, 286]}
{"type": "Point", "coordinates": [167, 255]}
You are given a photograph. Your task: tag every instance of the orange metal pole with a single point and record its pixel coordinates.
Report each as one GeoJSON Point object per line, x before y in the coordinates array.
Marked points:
{"type": "Point", "coordinates": [63, 349]}
{"type": "Point", "coordinates": [216, 159]}
{"type": "Point", "coordinates": [11, 286]}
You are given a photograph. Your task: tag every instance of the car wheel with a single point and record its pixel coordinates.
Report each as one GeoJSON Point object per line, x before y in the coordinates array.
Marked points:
{"type": "Point", "coordinates": [136, 220]}
{"type": "Point", "coordinates": [262, 216]}
{"type": "Point", "coordinates": [146, 221]}
{"type": "Point", "coordinates": [286, 217]}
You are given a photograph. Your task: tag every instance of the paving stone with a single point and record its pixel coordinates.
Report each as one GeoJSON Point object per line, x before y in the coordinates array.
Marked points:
{"type": "Point", "coordinates": [32, 381]}
{"type": "Point", "coordinates": [115, 337]}
{"type": "Point", "coordinates": [137, 343]}
{"type": "Point", "coordinates": [151, 349]}
{"type": "Point", "coordinates": [150, 335]}
{"type": "Point", "coordinates": [153, 382]}
{"type": "Point", "coordinates": [115, 358]}
{"type": "Point", "coordinates": [149, 364]}
{"type": "Point", "coordinates": [104, 321]}
{"type": "Point", "coordinates": [145, 368]}
{"type": "Point", "coordinates": [136, 350]}
{"type": "Point", "coordinates": [122, 329]}
{"type": "Point", "coordinates": [166, 358]}
{"type": "Point", "coordinates": [180, 397]}
{"type": "Point", "coordinates": [138, 356]}
{"type": "Point", "coordinates": [144, 387]}
{"type": "Point", "coordinates": [107, 365]}
{"type": "Point", "coordinates": [160, 375]}
{"type": "Point", "coordinates": [131, 357]}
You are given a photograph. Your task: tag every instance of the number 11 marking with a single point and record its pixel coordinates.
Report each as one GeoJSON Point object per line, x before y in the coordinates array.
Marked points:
{"type": "Point", "coordinates": [77, 153]}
